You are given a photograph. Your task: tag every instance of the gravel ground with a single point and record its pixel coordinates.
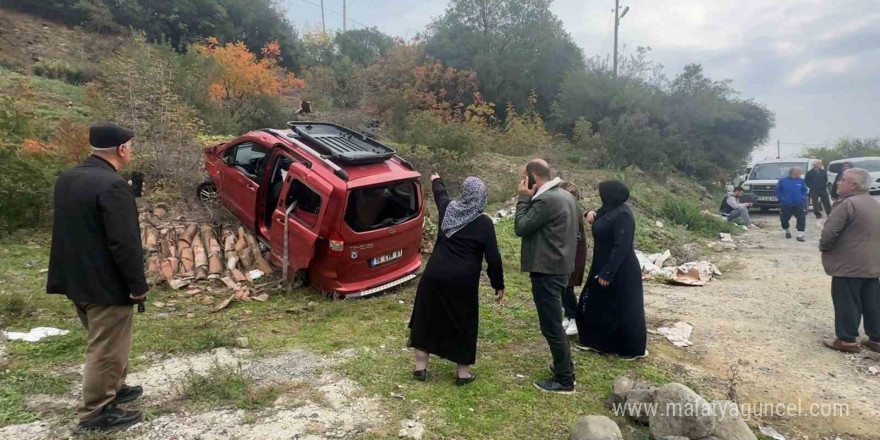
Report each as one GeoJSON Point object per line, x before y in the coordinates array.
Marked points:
{"type": "Point", "coordinates": [772, 312]}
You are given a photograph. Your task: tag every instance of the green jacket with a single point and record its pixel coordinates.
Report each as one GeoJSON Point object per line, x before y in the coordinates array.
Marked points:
{"type": "Point", "coordinates": [548, 225]}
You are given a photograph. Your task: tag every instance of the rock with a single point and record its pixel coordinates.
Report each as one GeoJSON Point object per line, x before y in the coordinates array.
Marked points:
{"type": "Point", "coordinates": [595, 428]}
{"type": "Point", "coordinates": [411, 429]}
{"type": "Point", "coordinates": [622, 386]}
{"type": "Point", "coordinates": [725, 238]}
{"type": "Point", "coordinates": [729, 424]}
{"type": "Point", "coordinates": [242, 342]}
{"type": "Point", "coordinates": [681, 412]}
{"type": "Point", "coordinates": [638, 400]}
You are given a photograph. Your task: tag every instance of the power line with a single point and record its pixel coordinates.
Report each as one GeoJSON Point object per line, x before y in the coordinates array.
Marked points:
{"type": "Point", "coordinates": [339, 14]}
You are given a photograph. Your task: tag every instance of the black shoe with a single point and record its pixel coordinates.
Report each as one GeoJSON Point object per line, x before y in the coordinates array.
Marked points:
{"type": "Point", "coordinates": [787, 234]}
{"type": "Point", "coordinates": [801, 239]}
{"type": "Point", "coordinates": [421, 375]}
{"type": "Point", "coordinates": [111, 419]}
{"type": "Point", "coordinates": [461, 381]}
{"type": "Point", "coordinates": [128, 394]}
{"type": "Point", "coordinates": [551, 386]}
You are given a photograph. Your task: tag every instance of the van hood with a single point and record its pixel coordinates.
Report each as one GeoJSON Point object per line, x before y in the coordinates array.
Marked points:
{"type": "Point", "coordinates": [760, 182]}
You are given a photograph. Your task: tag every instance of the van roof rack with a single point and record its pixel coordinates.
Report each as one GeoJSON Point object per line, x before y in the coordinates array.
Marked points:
{"type": "Point", "coordinates": [341, 144]}
{"type": "Point", "coordinates": [336, 169]}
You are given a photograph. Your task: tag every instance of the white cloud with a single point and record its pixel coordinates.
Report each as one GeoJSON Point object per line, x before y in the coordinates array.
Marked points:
{"type": "Point", "coordinates": [817, 69]}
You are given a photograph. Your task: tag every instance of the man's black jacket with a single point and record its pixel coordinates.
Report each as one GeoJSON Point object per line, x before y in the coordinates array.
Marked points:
{"type": "Point", "coordinates": [816, 180]}
{"type": "Point", "coordinates": [96, 255]}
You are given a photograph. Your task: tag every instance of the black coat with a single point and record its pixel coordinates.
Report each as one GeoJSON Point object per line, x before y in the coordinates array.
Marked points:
{"type": "Point", "coordinates": [96, 255]}
{"type": "Point", "coordinates": [445, 316]}
{"type": "Point", "coordinates": [817, 180]}
{"type": "Point", "coordinates": [611, 319]}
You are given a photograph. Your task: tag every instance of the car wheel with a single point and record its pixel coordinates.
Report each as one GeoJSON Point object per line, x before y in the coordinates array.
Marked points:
{"type": "Point", "coordinates": [208, 194]}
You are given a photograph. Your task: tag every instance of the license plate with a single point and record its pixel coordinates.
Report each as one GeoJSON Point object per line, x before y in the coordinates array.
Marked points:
{"type": "Point", "coordinates": [768, 199]}
{"type": "Point", "coordinates": [386, 258]}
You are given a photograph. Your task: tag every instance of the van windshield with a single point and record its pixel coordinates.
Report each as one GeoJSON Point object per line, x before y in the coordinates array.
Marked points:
{"type": "Point", "coordinates": [378, 207]}
{"type": "Point", "coordinates": [871, 165]}
{"type": "Point", "coordinates": [773, 171]}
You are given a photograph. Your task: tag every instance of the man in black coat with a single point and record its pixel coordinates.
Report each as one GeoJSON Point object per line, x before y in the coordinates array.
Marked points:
{"type": "Point", "coordinates": [817, 182]}
{"type": "Point", "coordinates": [96, 260]}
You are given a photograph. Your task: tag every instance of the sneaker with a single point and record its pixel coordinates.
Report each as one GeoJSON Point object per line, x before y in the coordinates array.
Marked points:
{"type": "Point", "coordinates": [551, 386]}
{"type": "Point", "coordinates": [552, 371]}
{"type": "Point", "coordinates": [110, 419]}
{"type": "Point", "coordinates": [421, 375]}
{"type": "Point", "coordinates": [128, 394]}
{"type": "Point", "coordinates": [754, 226]}
{"type": "Point", "coordinates": [839, 345]}
{"type": "Point", "coordinates": [801, 239]}
{"type": "Point", "coordinates": [566, 322]}
{"type": "Point", "coordinates": [585, 348]}
{"type": "Point", "coordinates": [632, 358]}
{"type": "Point", "coordinates": [871, 345]}
{"type": "Point", "coordinates": [787, 234]}
{"type": "Point", "coordinates": [572, 328]}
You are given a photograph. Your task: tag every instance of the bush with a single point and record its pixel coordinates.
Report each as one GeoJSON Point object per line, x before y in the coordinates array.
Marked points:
{"type": "Point", "coordinates": [689, 215]}
{"type": "Point", "coordinates": [69, 73]}
{"type": "Point", "coordinates": [25, 190]}
{"type": "Point", "coordinates": [17, 118]}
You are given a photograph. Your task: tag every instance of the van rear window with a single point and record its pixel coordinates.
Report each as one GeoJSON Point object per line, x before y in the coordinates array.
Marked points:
{"type": "Point", "coordinates": [378, 207]}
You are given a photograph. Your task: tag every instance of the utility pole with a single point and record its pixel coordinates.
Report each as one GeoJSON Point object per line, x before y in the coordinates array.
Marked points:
{"type": "Point", "coordinates": [344, 16]}
{"type": "Point", "coordinates": [616, 25]}
{"type": "Point", "coordinates": [323, 25]}
{"type": "Point", "coordinates": [778, 150]}
{"type": "Point", "coordinates": [617, 16]}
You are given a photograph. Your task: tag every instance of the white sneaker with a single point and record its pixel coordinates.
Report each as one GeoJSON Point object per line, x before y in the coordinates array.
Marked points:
{"type": "Point", "coordinates": [572, 328]}
{"type": "Point", "coordinates": [565, 323]}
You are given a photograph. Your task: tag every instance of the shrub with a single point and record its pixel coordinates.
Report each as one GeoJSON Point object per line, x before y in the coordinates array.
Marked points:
{"type": "Point", "coordinates": [689, 215]}
{"type": "Point", "coordinates": [25, 190]}
{"type": "Point", "coordinates": [229, 386]}
{"type": "Point", "coordinates": [70, 73]}
{"type": "Point", "coordinates": [426, 128]}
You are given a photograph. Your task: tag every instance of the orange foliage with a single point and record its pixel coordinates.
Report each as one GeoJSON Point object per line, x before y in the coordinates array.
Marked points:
{"type": "Point", "coordinates": [36, 148]}
{"type": "Point", "coordinates": [71, 140]}
{"type": "Point", "coordinates": [241, 75]}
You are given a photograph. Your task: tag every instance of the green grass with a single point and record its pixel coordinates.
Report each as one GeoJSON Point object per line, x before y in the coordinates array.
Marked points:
{"type": "Point", "coordinates": [54, 99]}
{"type": "Point", "coordinates": [228, 386]}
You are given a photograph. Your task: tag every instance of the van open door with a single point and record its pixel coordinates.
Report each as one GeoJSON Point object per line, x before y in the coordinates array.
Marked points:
{"type": "Point", "coordinates": [297, 219]}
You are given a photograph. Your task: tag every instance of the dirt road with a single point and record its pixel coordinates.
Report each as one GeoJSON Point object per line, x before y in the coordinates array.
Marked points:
{"type": "Point", "coordinates": [772, 309]}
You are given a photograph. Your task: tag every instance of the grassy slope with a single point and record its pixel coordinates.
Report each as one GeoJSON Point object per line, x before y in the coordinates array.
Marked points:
{"type": "Point", "coordinates": [53, 99]}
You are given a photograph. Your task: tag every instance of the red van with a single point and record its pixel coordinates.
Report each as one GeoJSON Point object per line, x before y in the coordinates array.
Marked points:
{"type": "Point", "coordinates": [330, 202]}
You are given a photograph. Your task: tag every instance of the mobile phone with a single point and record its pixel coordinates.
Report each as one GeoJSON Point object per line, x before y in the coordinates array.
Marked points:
{"type": "Point", "coordinates": [532, 182]}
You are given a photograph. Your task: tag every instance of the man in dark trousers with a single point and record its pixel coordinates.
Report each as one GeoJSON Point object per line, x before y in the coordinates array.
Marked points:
{"type": "Point", "coordinates": [837, 179]}
{"type": "Point", "coordinates": [792, 194]}
{"type": "Point", "coordinates": [850, 246]}
{"type": "Point", "coordinates": [97, 261]}
{"type": "Point", "coordinates": [817, 183]}
{"type": "Point", "coordinates": [547, 220]}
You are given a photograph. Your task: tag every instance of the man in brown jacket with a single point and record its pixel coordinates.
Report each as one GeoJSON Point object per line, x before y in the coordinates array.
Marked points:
{"type": "Point", "coordinates": [850, 246]}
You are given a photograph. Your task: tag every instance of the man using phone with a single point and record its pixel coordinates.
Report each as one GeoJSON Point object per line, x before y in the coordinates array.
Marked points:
{"type": "Point", "coordinates": [547, 220]}
{"type": "Point", "coordinates": [97, 261]}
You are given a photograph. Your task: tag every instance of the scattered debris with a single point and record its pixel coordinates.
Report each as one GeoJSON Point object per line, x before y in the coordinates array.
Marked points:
{"type": "Point", "coordinates": [679, 334]}
{"type": "Point", "coordinates": [695, 273]}
{"type": "Point", "coordinates": [725, 238]}
{"type": "Point", "coordinates": [35, 334]}
{"type": "Point", "coordinates": [255, 274]}
{"type": "Point", "coordinates": [659, 224]}
{"type": "Point", "coordinates": [772, 433]}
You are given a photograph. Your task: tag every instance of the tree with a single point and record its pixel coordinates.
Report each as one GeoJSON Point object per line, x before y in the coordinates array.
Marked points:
{"type": "Point", "coordinates": [846, 148]}
{"type": "Point", "coordinates": [363, 46]}
{"type": "Point", "coordinates": [514, 46]}
{"type": "Point", "coordinates": [241, 75]}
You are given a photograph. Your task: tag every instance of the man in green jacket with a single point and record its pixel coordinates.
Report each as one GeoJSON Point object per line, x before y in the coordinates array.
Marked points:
{"type": "Point", "coordinates": [547, 220]}
{"type": "Point", "coordinates": [850, 246]}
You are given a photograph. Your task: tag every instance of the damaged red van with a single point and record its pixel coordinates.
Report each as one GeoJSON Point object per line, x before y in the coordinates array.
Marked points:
{"type": "Point", "coordinates": [327, 201]}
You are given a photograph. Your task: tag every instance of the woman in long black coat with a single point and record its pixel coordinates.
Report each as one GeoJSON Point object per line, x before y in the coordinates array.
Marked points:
{"type": "Point", "coordinates": [446, 310]}
{"type": "Point", "coordinates": [611, 316]}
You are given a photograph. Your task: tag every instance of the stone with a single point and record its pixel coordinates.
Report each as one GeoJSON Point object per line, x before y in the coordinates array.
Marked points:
{"type": "Point", "coordinates": [675, 437]}
{"type": "Point", "coordinates": [622, 386]}
{"type": "Point", "coordinates": [681, 412]}
{"type": "Point", "coordinates": [638, 399]}
{"type": "Point", "coordinates": [242, 342]}
{"type": "Point", "coordinates": [595, 428]}
{"type": "Point", "coordinates": [729, 424]}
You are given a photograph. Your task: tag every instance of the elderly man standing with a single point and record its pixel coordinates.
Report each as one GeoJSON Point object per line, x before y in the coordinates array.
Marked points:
{"type": "Point", "coordinates": [547, 220]}
{"type": "Point", "coordinates": [792, 194]}
{"type": "Point", "coordinates": [96, 260]}
{"type": "Point", "coordinates": [850, 246]}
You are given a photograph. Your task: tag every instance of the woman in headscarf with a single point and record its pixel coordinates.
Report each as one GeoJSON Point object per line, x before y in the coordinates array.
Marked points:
{"type": "Point", "coordinates": [611, 315]}
{"type": "Point", "coordinates": [446, 310]}
{"type": "Point", "coordinates": [569, 298]}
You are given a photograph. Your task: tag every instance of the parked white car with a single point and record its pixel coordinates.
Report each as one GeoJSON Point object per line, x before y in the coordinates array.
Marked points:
{"type": "Point", "coordinates": [760, 187]}
{"type": "Point", "coordinates": [869, 164]}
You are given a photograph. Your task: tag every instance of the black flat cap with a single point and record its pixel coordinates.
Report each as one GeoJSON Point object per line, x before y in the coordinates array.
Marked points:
{"type": "Point", "coordinates": [108, 135]}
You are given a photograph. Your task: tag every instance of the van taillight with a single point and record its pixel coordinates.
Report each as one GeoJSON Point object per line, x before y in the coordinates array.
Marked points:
{"type": "Point", "coordinates": [337, 245]}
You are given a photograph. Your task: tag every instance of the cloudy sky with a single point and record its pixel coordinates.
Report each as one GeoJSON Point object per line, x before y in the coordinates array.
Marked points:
{"type": "Point", "coordinates": [814, 63]}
